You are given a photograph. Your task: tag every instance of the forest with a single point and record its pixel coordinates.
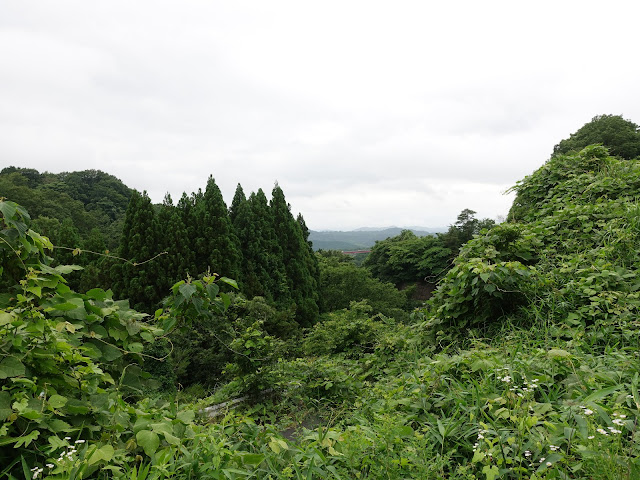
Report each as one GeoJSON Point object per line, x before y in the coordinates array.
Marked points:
{"type": "Point", "coordinates": [197, 340]}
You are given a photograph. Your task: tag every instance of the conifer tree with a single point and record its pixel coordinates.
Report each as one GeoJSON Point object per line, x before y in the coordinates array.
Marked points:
{"type": "Point", "coordinates": [265, 253]}
{"type": "Point", "coordinates": [140, 242]}
{"type": "Point", "coordinates": [239, 199]}
{"type": "Point", "coordinates": [216, 245]}
{"type": "Point", "coordinates": [179, 260]}
{"type": "Point", "coordinates": [297, 257]}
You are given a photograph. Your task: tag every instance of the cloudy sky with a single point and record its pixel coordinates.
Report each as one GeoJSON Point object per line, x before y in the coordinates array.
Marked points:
{"type": "Point", "coordinates": [367, 113]}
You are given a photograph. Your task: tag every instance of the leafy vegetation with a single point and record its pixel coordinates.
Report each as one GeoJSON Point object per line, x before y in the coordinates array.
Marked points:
{"type": "Point", "coordinates": [524, 364]}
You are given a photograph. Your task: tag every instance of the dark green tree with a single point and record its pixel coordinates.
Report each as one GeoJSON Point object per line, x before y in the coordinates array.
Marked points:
{"type": "Point", "coordinates": [466, 226]}
{"type": "Point", "coordinates": [178, 262]}
{"type": "Point", "coordinates": [239, 200]}
{"type": "Point", "coordinates": [620, 136]}
{"type": "Point", "coordinates": [139, 280]}
{"type": "Point", "coordinates": [216, 245]}
{"type": "Point", "coordinates": [298, 259]}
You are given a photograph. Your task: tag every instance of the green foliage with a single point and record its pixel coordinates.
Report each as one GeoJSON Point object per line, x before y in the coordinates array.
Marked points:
{"type": "Point", "coordinates": [464, 229]}
{"type": "Point", "coordinates": [571, 261]}
{"type": "Point", "coordinates": [620, 136]}
{"type": "Point", "coordinates": [90, 199]}
{"type": "Point", "coordinates": [353, 332]}
{"type": "Point", "coordinates": [341, 283]}
{"type": "Point", "coordinates": [407, 258]}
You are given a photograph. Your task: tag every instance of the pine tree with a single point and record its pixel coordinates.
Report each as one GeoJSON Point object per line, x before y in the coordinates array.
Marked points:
{"type": "Point", "coordinates": [298, 259]}
{"type": "Point", "coordinates": [239, 199]}
{"type": "Point", "coordinates": [179, 260]}
{"type": "Point", "coordinates": [216, 245]}
{"type": "Point", "coordinates": [139, 243]}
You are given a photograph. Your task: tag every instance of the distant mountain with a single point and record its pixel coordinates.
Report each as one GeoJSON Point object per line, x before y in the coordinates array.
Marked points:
{"type": "Point", "coordinates": [360, 239]}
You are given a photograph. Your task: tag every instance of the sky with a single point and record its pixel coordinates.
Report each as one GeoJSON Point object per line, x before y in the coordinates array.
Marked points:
{"type": "Point", "coordinates": [366, 113]}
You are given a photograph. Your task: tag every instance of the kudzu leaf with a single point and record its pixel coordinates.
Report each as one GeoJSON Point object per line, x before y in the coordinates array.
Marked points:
{"type": "Point", "coordinates": [148, 440]}
{"type": "Point", "coordinates": [11, 367]}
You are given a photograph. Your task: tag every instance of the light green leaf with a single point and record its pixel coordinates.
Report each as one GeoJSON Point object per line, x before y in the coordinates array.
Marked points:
{"type": "Point", "coordinates": [186, 416]}
{"type": "Point", "coordinates": [57, 401]}
{"type": "Point", "coordinates": [148, 440]}
{"type": "Point", "coordinates": [491, 471]}
{"type": "Point", "coordinates": [558, 353]}
{"type": "Point", "coordinates": [5, 318]}
{"type": "Point", "coordinates": [103, 453]}
{"type": "Point", "coordinates": [252, 459]}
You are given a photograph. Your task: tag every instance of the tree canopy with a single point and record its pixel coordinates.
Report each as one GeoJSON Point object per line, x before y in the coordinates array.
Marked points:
{"type": "Point", "coordinates": [620, 136]}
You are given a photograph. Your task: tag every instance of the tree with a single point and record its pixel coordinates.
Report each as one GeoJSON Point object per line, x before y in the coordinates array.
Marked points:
{"type": "Point", "coordinates": [620, 136]}
{"type": "Point", "coordinates": [239, 199]}
{"type": "Point", "coordinates": [216, 245]}
{"type": "Point", "coordinates": [466, 226]}
{"type": "Point", "coordinates": [342, 282]}
{"type": "Point", "coordinates": [298, 259]}
{"type": "Point", "coordinates": [140, 243]}
{"type": "Point", "coordinates": [178, 261]}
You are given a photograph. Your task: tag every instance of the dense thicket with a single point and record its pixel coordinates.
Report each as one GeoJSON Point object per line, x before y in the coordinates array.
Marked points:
{"type": "Point", "coordinates": [570, 258]}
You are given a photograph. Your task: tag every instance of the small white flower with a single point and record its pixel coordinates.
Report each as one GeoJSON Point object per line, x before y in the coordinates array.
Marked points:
{"type": "Point", "coordinates": [506, 379]}
{"type": "Point", "coordinates": [527, 453]}
{"type": "Point", "coordinates": [50, 465]}
{"type": "Point", "coordinates": [588, 411]}
{"type": "Point", "coordinates": [553, 448]}
{"type": "Point", "coordinates": [618, 421]}
{"type": "Point", "coordinates": [591, 437]}
{"type": "Point", "coordinates": [614, 430]}
{"type": "Point", "coordinates": [602, 431]}
{"type": "Point", "coordinates": [67, 438]}
{"type": "Point", "coordinates": [548, 464]}
{"type": "Point", "coordinates": [79, 441]}
{"type": "Point", "coordinates": [622, 416]}
{"type": "Point", "coordinates": [542, 459]}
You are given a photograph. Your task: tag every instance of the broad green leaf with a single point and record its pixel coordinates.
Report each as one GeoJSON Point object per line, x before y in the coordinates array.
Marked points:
{"type": "Point", "coordinates": [5, 318]}
{"type": "Point", "coordinates": [58, 425]}
{"type": "Point", "coordinates": [558, 353]}
{"type": "Point", "coordinates": [252, 459]}
{"type": "Point", "coordinates": [229, 281]}
{"type": "Point", "coordinates": [97, 294]}
{"type": "Point", "coordinates": [187, 290]}
{"type": "Point", "coordinates": [103, 453]}
{"type": "Point", "coordinates": [186, 416]}
{"type": "Point", "coordinates": [148, 440]}
{"type": "Point", "coordinates": [5, 405]}
{"type": "Point", "coordinates": [491, 471]}
{"type": "Point", "coordinates": [57, 401]}
{"type": "Point", "coordinates": [11, 367]}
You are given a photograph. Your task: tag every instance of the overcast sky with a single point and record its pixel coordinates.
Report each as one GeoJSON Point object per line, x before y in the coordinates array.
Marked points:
{"type": "Point", "coordinates": [366, 113]}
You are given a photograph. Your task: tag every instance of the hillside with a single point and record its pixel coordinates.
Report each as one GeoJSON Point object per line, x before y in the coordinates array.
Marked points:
{"type": "Point", "coordinates": [358, 239]}
{"type": "Point", "coordinates": [524, 364]}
